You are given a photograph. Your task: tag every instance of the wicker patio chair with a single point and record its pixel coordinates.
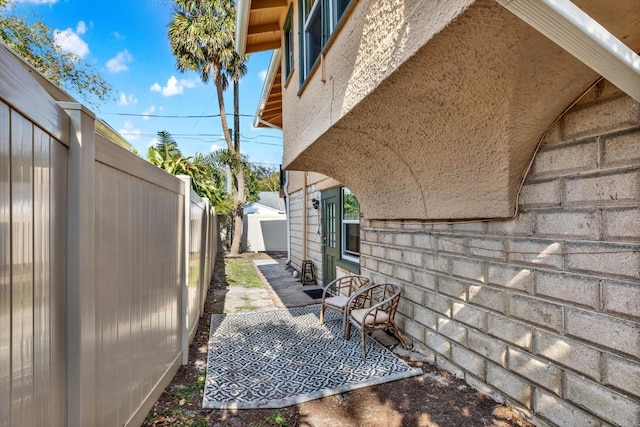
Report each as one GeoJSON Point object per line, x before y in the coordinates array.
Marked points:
{"type": "Point", "coordinates": [337, 293]}
{"type": "Point", "coordinates": [374, 308]}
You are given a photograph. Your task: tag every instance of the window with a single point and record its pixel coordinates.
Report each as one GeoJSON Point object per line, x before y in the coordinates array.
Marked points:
{"type": "Point", "coordinates": [312, 33]}
{"type": "Point", "coordinates": [288, 44]}
{"type": "Point", "coordinates": [337, 8]}
{"type": "Point", "coordinates": [350, 226]}
{"type": "Point", "coordinates": [319, 19]}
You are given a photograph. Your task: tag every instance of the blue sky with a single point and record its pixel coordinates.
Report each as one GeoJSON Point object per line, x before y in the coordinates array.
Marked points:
{"type": "Point", "coordinates": [126, 42]}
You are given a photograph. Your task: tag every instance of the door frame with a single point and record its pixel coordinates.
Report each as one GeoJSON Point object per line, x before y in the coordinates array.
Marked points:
{"type": "Point", "coordinates": [330, 253]}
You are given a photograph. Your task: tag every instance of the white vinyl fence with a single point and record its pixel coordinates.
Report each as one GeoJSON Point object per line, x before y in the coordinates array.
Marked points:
{"type": "Point", "coordinates": [105, 261]}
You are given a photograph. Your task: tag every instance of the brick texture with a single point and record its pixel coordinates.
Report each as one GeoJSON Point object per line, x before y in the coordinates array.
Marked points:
{"type": "Point", "coordinates": [621, 224]}
{"type": "Point", "coordinates": [606, 331]}
{"type": "Point", "coordinates": [622, 373]}
{"type": "Point", "coordinates": [579, 290]}
{"type": "Point", "coordinates": [560, 412]}
{"type": "Point", "coordinates": [538, 371]}
{"type": "Point", "coordinates": [621, 298]}
{"type": "Point", "coordinates": [621, 149]}
{"type": "Point", "coordinates": [512, 385]}
{"type": "Point", "coordinates": [612, 406]}
{"type": "Point", "coordinates": [541, 311]}
{"type": "Point", "coordinates": [577, 157]}
{"type": "Point", "coordinates": [569, 353]}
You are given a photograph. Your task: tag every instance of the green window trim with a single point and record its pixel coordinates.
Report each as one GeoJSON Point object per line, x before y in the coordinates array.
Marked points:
{"type": "Point", "coordinates": [289, 60]}
{"type": "Point", "coordinates": [350, 266]}
{"type": "Point", "coordinates": [349, 226]}
{"type": "Point", "coordinates": [318, 21]}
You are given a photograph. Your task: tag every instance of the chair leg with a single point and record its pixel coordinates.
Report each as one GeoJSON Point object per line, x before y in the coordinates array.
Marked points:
{"type": "Point", "coordinates": [395, 331]}
{"type": "Point", "coordinates": [344, 324]}
{"type": "Point", "coordinates": [322, 315]}
{"type": "Point", "coordinates": [364, 344]}
{"type": "Point", "coordinates": [347, 331]}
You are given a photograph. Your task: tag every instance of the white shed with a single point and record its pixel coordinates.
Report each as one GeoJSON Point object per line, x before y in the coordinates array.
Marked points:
{"type": "Point", "coordinates": [265, 224]}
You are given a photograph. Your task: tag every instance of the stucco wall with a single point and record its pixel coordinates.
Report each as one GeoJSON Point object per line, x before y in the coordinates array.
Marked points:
{"type": "Point", "coordinates": [441, 104]}
{"type": "Point", "coordinates": [542, 311]}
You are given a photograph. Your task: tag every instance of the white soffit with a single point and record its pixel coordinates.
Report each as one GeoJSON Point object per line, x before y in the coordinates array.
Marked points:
{"type": "Point", "coordinates": [583, 37]}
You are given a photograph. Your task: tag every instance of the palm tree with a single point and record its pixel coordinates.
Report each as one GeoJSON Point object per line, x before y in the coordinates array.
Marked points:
{"type": "Point", "coordinates": [205, 178]}
{"type": "Point", "coordinates": [202, 37]}
{"type": "Point", "coordinates": [165, 154]}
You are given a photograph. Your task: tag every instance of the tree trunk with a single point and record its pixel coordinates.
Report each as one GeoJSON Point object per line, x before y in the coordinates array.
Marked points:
{"type": "Point", "coordinates": [238, 214]}
{"type": "Point", "coordinates": [223, 113]}
{"type": "Point", "coordinates": [238, 174]}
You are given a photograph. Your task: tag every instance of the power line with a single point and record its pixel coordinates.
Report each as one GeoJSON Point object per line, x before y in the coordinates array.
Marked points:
{"type": "Point", "coordinates": [219, 138]}
{"type": "Point", "coordinates": [172, 116]}
{"type": "Point", "coordinates": [263, 163]}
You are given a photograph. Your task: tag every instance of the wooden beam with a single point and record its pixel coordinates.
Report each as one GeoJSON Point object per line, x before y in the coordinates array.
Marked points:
{"type": "Point", "coordinates": [259, 47]}
{"type": "Point", "coordinates": [267, 4]}
{"type": "Point", "coordinates": [273, 106]}
{"type": "Point", "coordinates": [264, 28]}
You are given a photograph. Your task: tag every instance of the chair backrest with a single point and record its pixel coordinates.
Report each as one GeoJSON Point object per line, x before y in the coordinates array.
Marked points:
{"type": "Point", "coordinates": [387, 293]}
{"type": "Point", "coordinates": [348, 285]}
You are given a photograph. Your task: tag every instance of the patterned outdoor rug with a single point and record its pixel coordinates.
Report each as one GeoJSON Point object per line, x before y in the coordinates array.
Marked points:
{"type": "Point", "coordinates": [277, 358]}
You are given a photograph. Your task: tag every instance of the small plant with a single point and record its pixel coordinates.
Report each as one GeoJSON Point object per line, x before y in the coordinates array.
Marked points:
{"type": "Point", "coordinates": [191, 391]}
{"type": "Point", "coordinates": [200, 422]}
{"type": "Point", "coordinates": [276, 419]}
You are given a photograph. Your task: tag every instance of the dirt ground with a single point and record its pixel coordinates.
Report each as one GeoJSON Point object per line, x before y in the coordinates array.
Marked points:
{"type": "Point", "coordinates": [435, 398]}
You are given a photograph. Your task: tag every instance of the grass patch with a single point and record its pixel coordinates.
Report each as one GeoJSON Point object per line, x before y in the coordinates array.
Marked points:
{"type": "Point", "coordinates": [240, 272]}
{"type": "Point", "coordinates": [276, 419]}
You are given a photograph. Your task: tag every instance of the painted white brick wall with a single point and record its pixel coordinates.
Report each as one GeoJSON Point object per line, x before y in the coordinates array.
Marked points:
{"type": "Point", "coordinates": [313, 238]}
{"type": "Point", "coordinates": [542, 311]}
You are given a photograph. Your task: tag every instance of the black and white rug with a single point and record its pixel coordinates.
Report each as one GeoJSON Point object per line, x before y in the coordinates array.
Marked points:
{"type": "Point", "coordinates": [278, 358]}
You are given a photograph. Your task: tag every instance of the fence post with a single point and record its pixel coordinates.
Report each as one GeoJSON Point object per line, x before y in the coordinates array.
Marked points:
{"type": "Point", "coordinates": [184, 282]}
{"type": "Point", "coordinates": [81, 292]}
{"type": "Point", "coordinates": [204, 254]}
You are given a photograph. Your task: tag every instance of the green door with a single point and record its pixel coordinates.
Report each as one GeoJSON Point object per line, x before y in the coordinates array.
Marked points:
{"type": "Point", "coordinates": [330, 234]}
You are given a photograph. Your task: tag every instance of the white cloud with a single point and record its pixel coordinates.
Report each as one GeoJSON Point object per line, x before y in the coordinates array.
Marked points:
{"type": "Point", "coordinates": [174, 86]}
{"type": "Point", "coordinates": [118, 36]}
{"type": "Point", "coordinates": [262, 75]}
{"type": "Point", "coordinates": [152, 143]}
{"type": "Point", "coordinates": [215, 147]}
{"type": "Point", "coordinates": [126, 100]}
{"type": "Point", "coordinates": [129, 132]}
{"type": "Point", "coordinates": [148, 111]}
{"type": "Point", "coordinates": [81, 28]}
{"type": "Point", "coordinates": [69, 41]}
{"type": "Point", "coordinates": [119, 62]}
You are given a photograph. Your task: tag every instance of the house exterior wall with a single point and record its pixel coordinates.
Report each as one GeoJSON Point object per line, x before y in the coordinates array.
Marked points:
{"type": "Point", "coordinates": [315, 184]}
{"type": "Point", "coordinates": [441, 104]}
{"type": "Point", "coordinates": [541, 311]}
{"type": "Point", "coordinates": [313, 238]}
